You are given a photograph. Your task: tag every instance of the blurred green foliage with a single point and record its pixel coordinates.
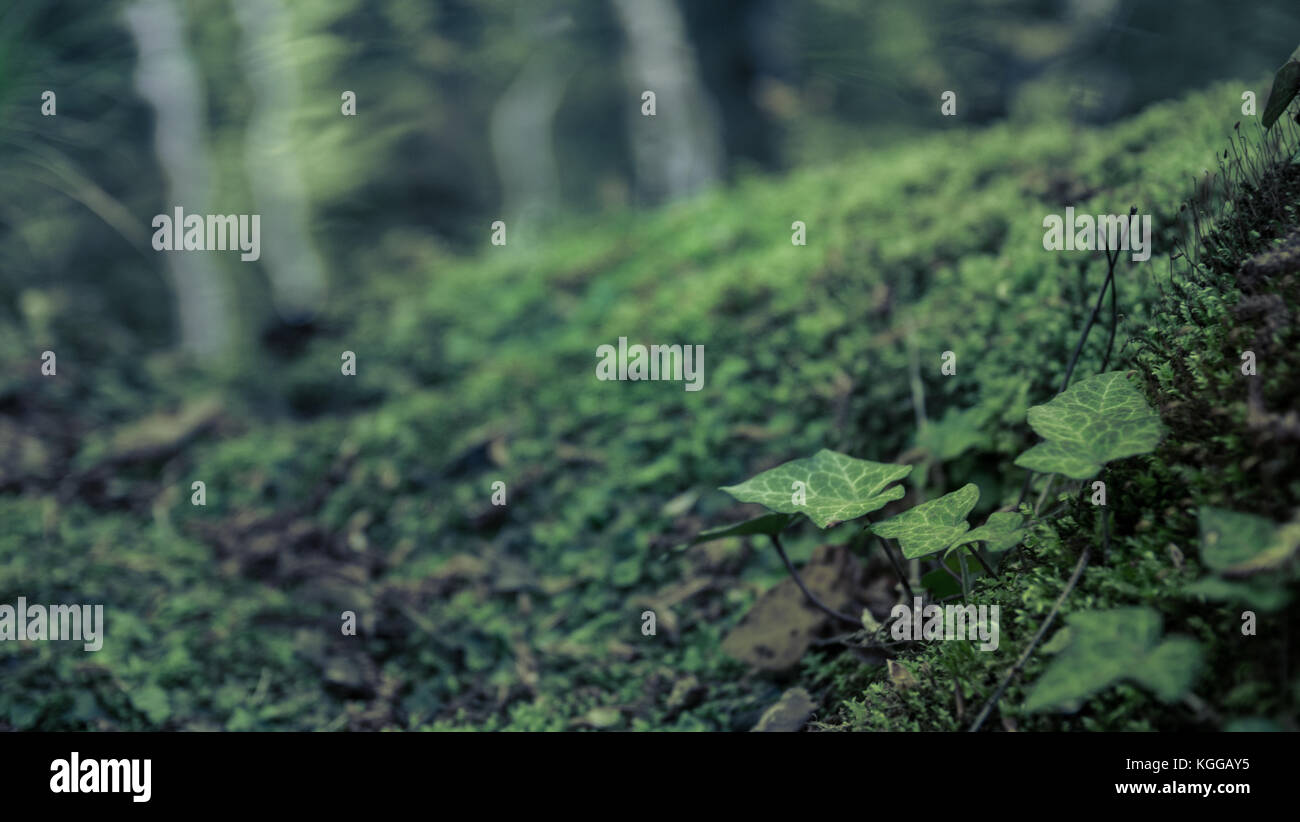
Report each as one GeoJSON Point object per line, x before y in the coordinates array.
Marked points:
{"type": "Point", "coordinates": [793, 84]}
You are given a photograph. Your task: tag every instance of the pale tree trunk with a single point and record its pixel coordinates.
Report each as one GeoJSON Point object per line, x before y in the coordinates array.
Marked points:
{"type": "Point", "coordinates": [523, 143]}
{"type": "Point", "coordinates": [679, 150]}
{"type": "Point", "coordinates": [167, 79]}
{"type": "Point", "coordinates": [291, 260]}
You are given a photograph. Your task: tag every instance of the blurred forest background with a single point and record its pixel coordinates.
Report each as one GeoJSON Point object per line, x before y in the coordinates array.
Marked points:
{"type": "Point", "coordinates": [475, 110]}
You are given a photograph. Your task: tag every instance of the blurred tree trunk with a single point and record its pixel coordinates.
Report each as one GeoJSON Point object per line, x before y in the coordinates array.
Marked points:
{"type": "Point", "coordinates": [290, 258]}
{"type": "Point", "coordinates": [522, 139]}
{"type": "Point", "coordinates": [166, 77]}
{"type": "Point", "coordinates": [679, 150]}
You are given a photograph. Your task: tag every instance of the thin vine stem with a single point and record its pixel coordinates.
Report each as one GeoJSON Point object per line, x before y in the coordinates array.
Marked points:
{"type": "Point", "coordinates": [975, 553]}
{"type": "Point", "coordinates": [789, 566]}
{"type": "Point", "coordinates": [898, 567]}
{"type": "Point", "coordinates": [1111, 261]}
{"type": "Point", "coordinates": [1114, 318]}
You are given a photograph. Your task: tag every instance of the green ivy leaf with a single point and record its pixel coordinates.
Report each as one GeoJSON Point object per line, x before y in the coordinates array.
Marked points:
{"type": "Point", "coordinates": [1286, 83]}
{"type": "Point", "coordinates": [1093, 422]}
{"type": "Point", "coordinates": [1171, 668]}
{"type": "Point", "coordinates": [766, 525]}
{"type": "Point", "coordinates": [1001, 532]}
{"type": "Point", "coordinates": [837, 487]}
{"type": "Point", "coordinates": [1105, 647]}
{"type": "Point", "coordinates": [932, 526]}
{"type": "Point", "coordinates": [1239, 544]}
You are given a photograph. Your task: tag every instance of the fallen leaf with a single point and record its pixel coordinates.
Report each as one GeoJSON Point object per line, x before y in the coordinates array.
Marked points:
{"type": "Point", "coordinates": [781, 625]}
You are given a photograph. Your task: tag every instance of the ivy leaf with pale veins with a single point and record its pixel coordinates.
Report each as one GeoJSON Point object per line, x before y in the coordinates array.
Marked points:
{"type": "Point", "coordinates": [932, 526]}
{"type": "Point", "coordinates": [837, 487]}
{"type": "Point", "coordinates": [1286, 83]}
{"type": "Point", "coordinates": [1236, 544]}
{"type": "Point", "coordinates": [1093, 422]}
{"type": "Point", "coordinates": [1105, 647]}
{"type": "Point", "coordinates": [1002, 531]}
{"type": "Point", "coordinates": [766, 525]}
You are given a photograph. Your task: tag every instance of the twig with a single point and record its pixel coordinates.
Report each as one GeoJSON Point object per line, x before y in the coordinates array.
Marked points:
{"type": "Point", "coordinates": [789, 566]}
{"type": "Point", "coordinates": [1033, 643]}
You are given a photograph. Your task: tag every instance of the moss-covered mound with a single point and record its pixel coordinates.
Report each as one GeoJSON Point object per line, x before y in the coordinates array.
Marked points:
{"type": "Point", "coordinates": [373, 493]}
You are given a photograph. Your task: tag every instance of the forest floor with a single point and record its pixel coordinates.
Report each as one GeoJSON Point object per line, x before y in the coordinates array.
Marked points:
{"type": "Point", "coordinates": [372, 493]}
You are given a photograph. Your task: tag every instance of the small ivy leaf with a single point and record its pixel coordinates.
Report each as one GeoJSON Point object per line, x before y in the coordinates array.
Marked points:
{"type": "Point", "coordinates": [1105, 647]}
{"type": "Point", "coordinates": [932, 526]}
{"type": "Point", "coordinates": [1001, 532]}
{"type": "Point", "coordinates": [1236, 544]}
{"type": "Point", "coordinates": [837, 487]}
{"type": "Point", "coordinates": [766, 525]}
{"type": "Point", "coordinates": [1093, 422]}
{"type": "Point", "coordinates": [1286, 83]}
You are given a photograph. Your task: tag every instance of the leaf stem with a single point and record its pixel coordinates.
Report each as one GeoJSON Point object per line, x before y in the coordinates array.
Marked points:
{"type": "Point", "coordinates": [960, 582]}
{"type": "Point", "coordinates": [975, 553]}
{"type": "Point", "coordinates": [789, 566]}
{"type": "Point", "coordinates": [898, 568]}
